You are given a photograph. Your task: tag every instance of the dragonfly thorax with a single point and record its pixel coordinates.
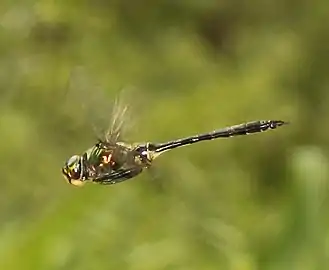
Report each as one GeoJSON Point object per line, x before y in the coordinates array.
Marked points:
{"type": "Point", "coordinates": [103, 158]}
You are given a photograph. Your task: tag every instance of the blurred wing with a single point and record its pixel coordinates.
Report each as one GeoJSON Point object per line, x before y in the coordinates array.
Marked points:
{"type": "Point", "coordinates": [118, 125]}
{"type": "Point", "coordinates": [107, 119]}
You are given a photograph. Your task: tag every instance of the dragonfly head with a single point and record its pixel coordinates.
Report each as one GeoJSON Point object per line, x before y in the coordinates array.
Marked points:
{"type": "Point", "coordinates": [73, 170]}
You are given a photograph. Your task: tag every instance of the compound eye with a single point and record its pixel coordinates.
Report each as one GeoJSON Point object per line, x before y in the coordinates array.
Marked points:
{"type": "Point", "coordinates": [72, 168]}
{"type": "Point", "coordinates": [73, 161]}
{"type": "Point", "coordinates": [75, 173]}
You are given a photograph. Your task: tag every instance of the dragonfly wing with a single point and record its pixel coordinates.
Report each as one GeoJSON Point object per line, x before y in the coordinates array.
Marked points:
{"type": "Point", "coordinates": [118, 176]}
{"type": "Point", "coordinates": [118, 125]}
{"type": "Point", "coordinates": [94, 106]}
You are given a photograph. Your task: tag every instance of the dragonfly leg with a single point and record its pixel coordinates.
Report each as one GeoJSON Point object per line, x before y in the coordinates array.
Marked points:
{"type": "Point", "coordinates": [117, 176]}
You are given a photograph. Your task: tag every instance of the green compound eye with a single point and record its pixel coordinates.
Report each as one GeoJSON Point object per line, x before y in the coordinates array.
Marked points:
{"type": "Point", "coordinates": [72, 169]}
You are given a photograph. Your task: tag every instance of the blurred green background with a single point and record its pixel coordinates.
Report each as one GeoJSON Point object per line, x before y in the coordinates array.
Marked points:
{"type": "Point", "coordinates": [253, 202]}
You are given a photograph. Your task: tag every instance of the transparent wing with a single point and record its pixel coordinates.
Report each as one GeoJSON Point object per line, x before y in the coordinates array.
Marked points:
{"type": "Point", "coordinates": [121, 120]}
{"type": "Point", "coordinates": [106, 116]}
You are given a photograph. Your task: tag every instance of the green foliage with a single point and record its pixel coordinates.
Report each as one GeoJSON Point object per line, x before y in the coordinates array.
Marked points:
{"type": "Point", "coordinates": [256, 202]}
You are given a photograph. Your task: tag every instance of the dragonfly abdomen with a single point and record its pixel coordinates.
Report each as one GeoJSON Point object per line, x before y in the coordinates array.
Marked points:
{"type": "Point", "coordinates": [232, 131]}
{"type": "Point", "coordinates": [247, 128]}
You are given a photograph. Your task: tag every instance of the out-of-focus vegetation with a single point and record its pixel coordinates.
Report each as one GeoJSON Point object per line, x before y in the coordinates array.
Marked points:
{"type": "Point", "coordinates": [256, 202]}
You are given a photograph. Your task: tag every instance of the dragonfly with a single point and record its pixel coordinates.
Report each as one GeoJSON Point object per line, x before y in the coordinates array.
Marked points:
{"type": "Point", "coordinates": [111, 160]}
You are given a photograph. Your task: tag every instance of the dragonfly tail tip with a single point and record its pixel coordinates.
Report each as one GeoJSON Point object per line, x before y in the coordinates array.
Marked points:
{"type": "Point", "coordinates": [279, 123]}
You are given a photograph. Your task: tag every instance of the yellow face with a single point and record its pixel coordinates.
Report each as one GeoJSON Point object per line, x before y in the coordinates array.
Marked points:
{"type": "Point", "coordinates": [72, 170]}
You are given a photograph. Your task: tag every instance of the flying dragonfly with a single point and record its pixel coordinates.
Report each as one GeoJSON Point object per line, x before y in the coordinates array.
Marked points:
{"type": "Point", "coordinates": [112, 161]}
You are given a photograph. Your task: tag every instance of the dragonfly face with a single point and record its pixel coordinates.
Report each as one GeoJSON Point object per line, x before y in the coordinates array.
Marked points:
{"type": "Point", "coordinates": [73, 170]}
